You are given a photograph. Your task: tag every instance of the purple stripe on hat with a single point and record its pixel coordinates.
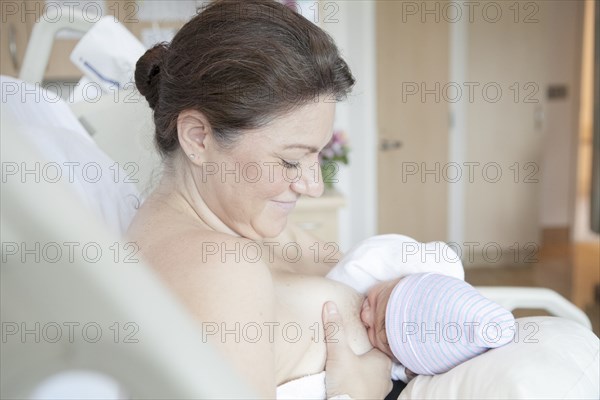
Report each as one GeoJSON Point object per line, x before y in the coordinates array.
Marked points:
{"type": "Point", "coordinates": [458, 308]}
{"type": "Point", "coordinates": [436, 283]}
{"type": "Point", "coordinates": [400, 325]}
{"type": "Point", "coordinates": [430, 339]}
{"type": "Point", "coordinates": [473, 342]}
{"type": "Point", "coordinates": [446, 286]}
{"type": "Point", "coordinates": [457, 351]}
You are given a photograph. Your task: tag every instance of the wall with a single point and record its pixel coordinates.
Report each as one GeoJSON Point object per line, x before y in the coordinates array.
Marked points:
{"type": "Point", "coordinates": [563, 60]}
{"type": "Point", "coordinates": [354, 34]}
{"type": "Point", "coordinates": [582, 151]}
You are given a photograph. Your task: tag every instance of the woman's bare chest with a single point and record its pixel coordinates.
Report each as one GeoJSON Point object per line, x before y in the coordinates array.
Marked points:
{"type": "Point", "coordinates": [300, 346]}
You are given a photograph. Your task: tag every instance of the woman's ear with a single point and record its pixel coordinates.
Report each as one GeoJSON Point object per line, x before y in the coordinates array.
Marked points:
{"type": "Point", "coordinates": [192, 131]}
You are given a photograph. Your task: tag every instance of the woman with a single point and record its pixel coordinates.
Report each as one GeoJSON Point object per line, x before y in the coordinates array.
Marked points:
{"type": "Point", "coordinates": [244, 99]}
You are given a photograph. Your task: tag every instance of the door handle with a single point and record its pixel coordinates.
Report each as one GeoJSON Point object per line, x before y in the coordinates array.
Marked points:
{"type": "Point", "coordinates": [12, 47]}
{"type": "Point", "coordinates": [538, 117]}
{"type": "Point", "coordinates": [387, 144]}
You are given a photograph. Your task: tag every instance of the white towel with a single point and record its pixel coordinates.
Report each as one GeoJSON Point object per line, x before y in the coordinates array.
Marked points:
{"type": "Point", "coordinates": [307, 387]}
{"type": "Point", "coordinates": [386, 257]}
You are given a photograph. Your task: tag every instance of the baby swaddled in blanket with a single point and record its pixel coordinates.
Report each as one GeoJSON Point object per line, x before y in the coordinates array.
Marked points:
{"type": "Point", "coordinates": [418, 309]}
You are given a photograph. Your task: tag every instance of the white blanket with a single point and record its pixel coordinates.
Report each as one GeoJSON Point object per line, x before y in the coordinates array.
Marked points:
{"type": "Point", "coordinates": [386, 257]}
{"type": "Point", "coordinates": [552, 358]}
{"type": "Point", "coordinates": [308, 387]}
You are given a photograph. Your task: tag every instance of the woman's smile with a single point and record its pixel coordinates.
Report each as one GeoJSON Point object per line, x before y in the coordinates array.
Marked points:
{"type": "Point", "coordinates": [285, 205]}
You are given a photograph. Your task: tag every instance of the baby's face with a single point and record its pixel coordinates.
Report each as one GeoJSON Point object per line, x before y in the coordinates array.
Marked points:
{"type": "Point", "coordinates": [372, 315]}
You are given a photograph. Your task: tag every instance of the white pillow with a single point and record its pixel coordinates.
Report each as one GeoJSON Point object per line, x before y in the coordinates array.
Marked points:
{"type": "Point", "coordinates": [551, 358]}
{"type": "Point", "coordinates": [69, 154]}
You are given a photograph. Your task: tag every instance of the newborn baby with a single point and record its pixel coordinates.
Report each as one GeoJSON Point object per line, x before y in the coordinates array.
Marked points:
{"type": "Point", "coordinates": [418, 309]}
{"type": "Point", "coordinates": [431, 323]}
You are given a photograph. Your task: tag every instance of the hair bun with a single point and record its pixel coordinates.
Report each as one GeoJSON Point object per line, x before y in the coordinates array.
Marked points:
{"type": "Point", "coordinates": [147, 72]}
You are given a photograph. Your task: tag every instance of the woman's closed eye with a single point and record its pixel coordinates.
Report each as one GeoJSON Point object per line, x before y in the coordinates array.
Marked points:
{"type": "Point", "coordinates": [289, 164]}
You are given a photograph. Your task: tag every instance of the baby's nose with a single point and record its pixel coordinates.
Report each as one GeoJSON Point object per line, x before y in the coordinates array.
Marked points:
{"type": "Point", "coordinates": [365, 314]}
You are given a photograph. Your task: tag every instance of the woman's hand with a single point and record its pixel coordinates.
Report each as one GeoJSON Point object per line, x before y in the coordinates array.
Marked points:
{"type": "Point", "coordinates": [360, 377]}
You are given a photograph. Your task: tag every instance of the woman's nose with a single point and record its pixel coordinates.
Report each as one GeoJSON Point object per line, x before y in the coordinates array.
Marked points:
{"type": "Point", "coordinates": [309, 182]}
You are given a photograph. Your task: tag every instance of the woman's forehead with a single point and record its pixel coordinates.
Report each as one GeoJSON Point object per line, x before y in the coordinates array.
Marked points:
{"type": "Point", "coordinates": [310, 121]}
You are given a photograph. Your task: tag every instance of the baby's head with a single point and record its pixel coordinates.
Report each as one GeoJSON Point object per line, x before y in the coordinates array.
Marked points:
{"type": "Point", "coordinates": [431, 322]}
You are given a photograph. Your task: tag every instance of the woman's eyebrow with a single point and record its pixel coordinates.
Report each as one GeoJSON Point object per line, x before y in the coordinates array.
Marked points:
{"type": "Point", "coordinates": [310, 149]}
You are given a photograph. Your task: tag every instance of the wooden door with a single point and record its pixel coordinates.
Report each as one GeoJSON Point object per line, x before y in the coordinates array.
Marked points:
{"type": "Point", "coordinates": [412, 62]}
{"type": "Point", "coordinates": [504, 90]}
{"type": "Point", "coordinates": [506, 59]}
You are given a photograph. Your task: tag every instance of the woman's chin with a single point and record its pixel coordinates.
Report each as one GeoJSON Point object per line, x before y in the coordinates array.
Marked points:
{"type": "Point", "coordinates": [271, 226]}
{"type": "Point", "coordinates": [274, 229]}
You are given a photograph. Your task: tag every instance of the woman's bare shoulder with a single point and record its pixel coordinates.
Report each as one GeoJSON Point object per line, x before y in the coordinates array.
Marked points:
{"type": "Point", "coordinates": [225, 292]}
{"type": "Point", "coordinates": [213, 265]}
{"type": "Point", "coordinates": [208, 253]}
{"type": "Point", "coordinates": [170, 241]}
{"type": "Point", "coordinates": [204, 267]}
{"type": "Point", "coordinates": [210, 273]}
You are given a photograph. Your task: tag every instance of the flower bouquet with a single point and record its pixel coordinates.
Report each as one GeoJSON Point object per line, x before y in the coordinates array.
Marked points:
{"type": "Point", "coordinates": [336, 151]}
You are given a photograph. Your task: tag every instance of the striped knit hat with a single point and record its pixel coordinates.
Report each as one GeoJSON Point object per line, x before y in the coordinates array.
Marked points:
{"type": "Point", "coordinates": [435, 322]}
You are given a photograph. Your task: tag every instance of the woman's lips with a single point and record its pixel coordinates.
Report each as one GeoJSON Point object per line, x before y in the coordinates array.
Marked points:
{"type": "Point", "coordinates": [285, 205]}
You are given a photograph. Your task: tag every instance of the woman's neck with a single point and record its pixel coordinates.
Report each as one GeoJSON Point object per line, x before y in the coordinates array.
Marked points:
{"type": "Point", "coordinates": [178, 190]}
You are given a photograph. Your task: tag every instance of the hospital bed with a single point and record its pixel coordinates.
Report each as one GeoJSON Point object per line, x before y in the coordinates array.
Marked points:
{"type": "Point", "coordinates": [148, 342]}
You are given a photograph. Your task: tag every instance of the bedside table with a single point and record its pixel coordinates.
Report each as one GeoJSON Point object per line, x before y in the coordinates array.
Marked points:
{"type": "Point", "coordinates": [319, 216]}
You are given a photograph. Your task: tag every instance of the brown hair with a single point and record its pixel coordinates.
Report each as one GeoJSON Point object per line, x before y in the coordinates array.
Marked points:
{"type": "Point", "coordinates": [242, 64]}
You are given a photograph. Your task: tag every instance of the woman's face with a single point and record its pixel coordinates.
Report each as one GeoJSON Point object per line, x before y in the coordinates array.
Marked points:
{"type": "Point", "coordinates": [253, 186]}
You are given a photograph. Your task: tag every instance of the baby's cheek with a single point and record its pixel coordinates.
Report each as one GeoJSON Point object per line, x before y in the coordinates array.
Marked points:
{"type": "Point", "coordinates": [388, 351]}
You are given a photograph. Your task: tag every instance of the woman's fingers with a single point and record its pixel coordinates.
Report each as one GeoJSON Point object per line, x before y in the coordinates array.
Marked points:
{"type": "Point", "coordinates": [335, 336]}
{"type": "Point", "coordinates": [337, 356]}
{"type": "Point", "coordinates": [360, 377]}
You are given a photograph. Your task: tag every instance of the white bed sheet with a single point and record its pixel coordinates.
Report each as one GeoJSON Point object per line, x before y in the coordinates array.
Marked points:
{"type": "Point", "coordinates": [552, 358]}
